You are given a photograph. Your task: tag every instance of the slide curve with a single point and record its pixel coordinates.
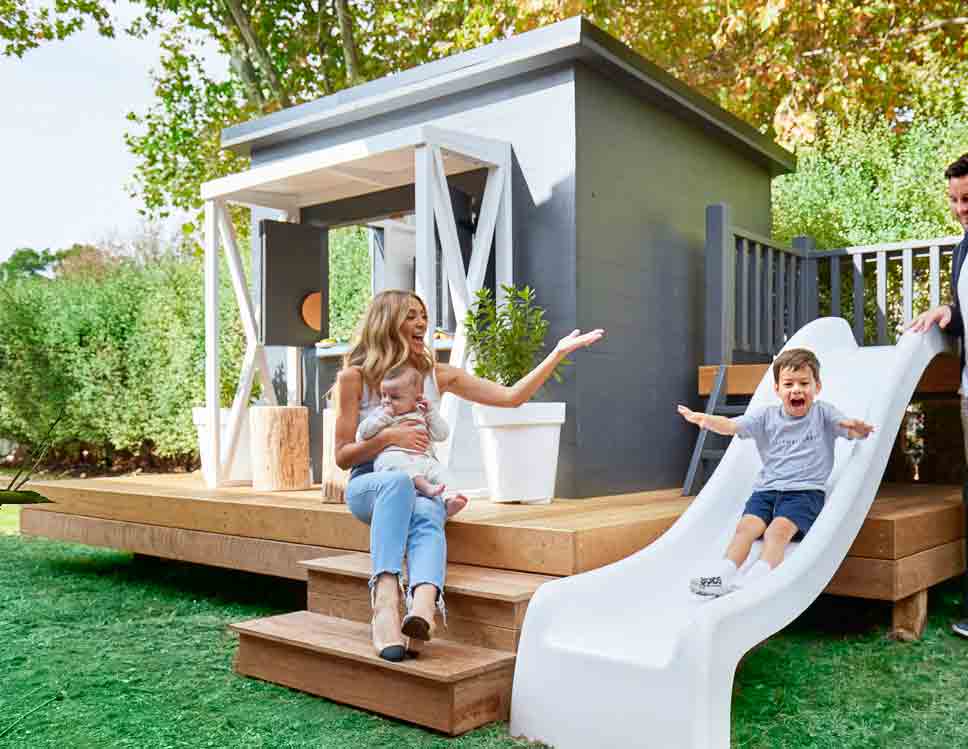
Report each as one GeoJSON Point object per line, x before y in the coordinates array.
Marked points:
{"type": "Point", "coordinates": [626, 656]}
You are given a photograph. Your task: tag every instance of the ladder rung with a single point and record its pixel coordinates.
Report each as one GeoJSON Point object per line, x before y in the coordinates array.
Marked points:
{"type": "Point", "coordinates": [730, 410]}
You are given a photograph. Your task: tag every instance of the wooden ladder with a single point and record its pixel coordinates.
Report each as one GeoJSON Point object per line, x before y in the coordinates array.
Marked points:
{"type": "Point", "coordinates": [704, 459]}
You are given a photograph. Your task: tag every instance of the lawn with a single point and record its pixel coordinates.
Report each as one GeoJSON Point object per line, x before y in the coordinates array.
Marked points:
{"type": "Point", "coordinates": [105, 650]}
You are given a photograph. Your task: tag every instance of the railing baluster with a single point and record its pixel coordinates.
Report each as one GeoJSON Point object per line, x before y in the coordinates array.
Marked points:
{"type": "Point", "coordinates": [792, 293]}
{"type": "Point", "coordinates": [780, 301]}
{"type": "Point", "coordinates": [835, 287]}
{"type": "Point", "coordinates": [770, 337]}
{"type": "Point", "coordinates": [934, 275]}
{"type": "Point", "coordinates": [757, 297]}
{"type": "Point", "coordinates": [881, 298]}
{"type": "Point", "coordinates": [907, 286]}
{"type": "Point", "coordinates": [742, 246]}
{"type": "Point", "coordinates": [859, 298]}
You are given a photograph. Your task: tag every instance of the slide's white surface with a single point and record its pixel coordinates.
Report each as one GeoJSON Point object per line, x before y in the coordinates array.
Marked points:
{"type": "Point", "coordinates": [625, 656]}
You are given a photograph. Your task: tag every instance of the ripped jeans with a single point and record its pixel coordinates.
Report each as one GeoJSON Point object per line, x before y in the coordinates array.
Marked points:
{"type": "Point", "coordinates": [402, 523]}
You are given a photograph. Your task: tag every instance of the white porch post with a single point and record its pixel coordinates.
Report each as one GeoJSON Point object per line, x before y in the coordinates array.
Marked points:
{"type": "Point", "coordinates": [426, 252]}
{"type": "Point", "coordinates": [503, 238]}
{"type": "Point", "coordinates": [294, 366]}
{"type": "Point", "coordinates": [213, 476]}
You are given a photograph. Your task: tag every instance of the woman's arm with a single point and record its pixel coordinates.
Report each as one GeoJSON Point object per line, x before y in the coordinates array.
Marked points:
{"type": "Point", "coordinates": [478, 390]}
{"type": "Point", "coordinates": [347, 451]}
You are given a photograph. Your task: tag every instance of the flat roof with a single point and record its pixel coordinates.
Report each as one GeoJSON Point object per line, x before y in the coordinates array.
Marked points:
{"type": "Point", "coordinates": [575, 39]}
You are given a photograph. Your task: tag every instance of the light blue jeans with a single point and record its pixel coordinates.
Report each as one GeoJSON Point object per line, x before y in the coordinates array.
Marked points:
{"type": "Point", "coordinates": [402, 523]}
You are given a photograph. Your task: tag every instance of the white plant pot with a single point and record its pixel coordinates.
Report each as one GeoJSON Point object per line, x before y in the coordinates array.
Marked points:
{"type": "Point", "coordinates": [519, 447]}
{"type": "Point", "coordinates": [241, 466]}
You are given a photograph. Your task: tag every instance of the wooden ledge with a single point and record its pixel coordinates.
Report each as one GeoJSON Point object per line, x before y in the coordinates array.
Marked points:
{"type": "Point", "coordinates": [462, 579]}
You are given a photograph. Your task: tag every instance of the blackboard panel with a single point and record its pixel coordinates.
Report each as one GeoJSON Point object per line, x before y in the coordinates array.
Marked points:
{"type": "Point", "coordinates": [295, 263]}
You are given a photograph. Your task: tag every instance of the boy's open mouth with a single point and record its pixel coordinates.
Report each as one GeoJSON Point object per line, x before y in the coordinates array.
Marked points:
{"type": "Point", "coordinates": [798, 402]}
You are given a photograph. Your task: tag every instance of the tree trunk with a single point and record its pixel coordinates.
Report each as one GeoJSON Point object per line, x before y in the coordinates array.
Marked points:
{"type": "Point", "coordinates": [255, 49]}
{"type": "Point", "coordinates": [349, 45]}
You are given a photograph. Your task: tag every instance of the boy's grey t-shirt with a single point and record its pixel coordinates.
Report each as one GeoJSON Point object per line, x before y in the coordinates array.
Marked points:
{"type": "Point", "coordinates": [797, 453]}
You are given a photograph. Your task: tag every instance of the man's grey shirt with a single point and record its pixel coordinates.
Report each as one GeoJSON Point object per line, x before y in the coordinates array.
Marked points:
{"type": "Point", "coordinates": [797, 453]}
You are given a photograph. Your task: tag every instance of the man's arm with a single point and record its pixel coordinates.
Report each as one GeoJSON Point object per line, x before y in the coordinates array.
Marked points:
{"type": "Point", "coordinates": [717, 424]}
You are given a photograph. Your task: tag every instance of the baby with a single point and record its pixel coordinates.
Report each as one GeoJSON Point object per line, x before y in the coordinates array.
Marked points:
{"type": "Point", "coordinates": [401, 400]}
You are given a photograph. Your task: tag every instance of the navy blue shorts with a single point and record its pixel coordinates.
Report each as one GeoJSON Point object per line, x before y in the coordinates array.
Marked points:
{"type": "Point", "coordinates": [799, 507]}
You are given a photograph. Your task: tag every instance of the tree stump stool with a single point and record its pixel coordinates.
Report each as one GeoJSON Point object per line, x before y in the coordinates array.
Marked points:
{"type": "Point", "coordinates": [280, 447]}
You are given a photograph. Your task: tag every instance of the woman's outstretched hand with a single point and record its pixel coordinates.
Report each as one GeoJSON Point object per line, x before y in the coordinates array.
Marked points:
{"type": "Point", "coordinates": [576, 340]}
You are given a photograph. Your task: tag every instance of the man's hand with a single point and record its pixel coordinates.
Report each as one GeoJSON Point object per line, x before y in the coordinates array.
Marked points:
{"type": "Point", "coordinates": [693, 417]}
{"type": "Point", "coordinates": [857, 428]}
{"type": "Point", "coordinates": [939, 316]}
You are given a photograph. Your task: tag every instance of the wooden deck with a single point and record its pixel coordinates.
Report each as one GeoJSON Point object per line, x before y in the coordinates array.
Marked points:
{"type": "Point", "coordinates": [218, 526]}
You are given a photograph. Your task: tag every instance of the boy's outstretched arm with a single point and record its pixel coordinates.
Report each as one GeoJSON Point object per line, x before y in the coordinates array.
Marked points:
{"type": "Point", "coordinates": [857, 429]}
{"type": "Point", "coordinates": [718, 424]}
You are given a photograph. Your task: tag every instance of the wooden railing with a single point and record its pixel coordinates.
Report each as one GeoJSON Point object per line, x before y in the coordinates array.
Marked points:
{"type": "Point", "coordinates": [759, 292]}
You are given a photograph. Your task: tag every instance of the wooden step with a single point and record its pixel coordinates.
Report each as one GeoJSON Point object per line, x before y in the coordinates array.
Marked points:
{"type": "Point", "coordinates": [449, 687]}
{"type": "Point", "coordinates": [485, 607]}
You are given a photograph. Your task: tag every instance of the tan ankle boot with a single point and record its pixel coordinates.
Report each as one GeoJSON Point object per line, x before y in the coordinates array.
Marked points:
{"type": "Point", "coordinates": [385, 626]}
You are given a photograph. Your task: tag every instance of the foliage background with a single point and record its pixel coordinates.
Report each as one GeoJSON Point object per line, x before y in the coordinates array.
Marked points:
{"type": "Point", "coordinates": [117, 343]}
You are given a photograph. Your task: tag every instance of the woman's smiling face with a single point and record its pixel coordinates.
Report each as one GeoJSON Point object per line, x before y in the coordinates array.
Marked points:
{"type": "Point", "coordinates": [414, 326]}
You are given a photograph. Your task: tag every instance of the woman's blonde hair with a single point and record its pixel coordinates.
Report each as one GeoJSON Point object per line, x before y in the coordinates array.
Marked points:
{"type": "Point", "coordinates": [378, 346]}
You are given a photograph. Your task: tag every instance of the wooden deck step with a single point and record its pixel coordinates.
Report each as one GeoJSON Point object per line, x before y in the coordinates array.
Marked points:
{"type": "Point", "coordinates": [449, 687]}
{"type": "Point", "coordinates": [485, 607]}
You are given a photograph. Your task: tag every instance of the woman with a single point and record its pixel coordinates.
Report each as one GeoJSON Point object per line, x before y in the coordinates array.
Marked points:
{"type": "Point", "coordinates": [402, 522]}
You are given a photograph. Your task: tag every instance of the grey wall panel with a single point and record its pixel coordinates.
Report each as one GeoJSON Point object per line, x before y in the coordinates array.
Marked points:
{"type": "Point", "coordinates": [644, 178]}
{"type": "Point", "coordinates": [295, 264]}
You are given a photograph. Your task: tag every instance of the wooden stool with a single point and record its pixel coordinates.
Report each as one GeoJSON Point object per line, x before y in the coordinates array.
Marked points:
{"type": "Point", "coordinates": [334, 477]}
{"type": "Point", "coordinates": [280, 447]}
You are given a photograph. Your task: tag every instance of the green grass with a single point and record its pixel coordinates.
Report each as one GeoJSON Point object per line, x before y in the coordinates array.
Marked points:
{"type": "Point", "coordinates": [9, 519]}
{"type": "Point", "coordinates": [104, 650]}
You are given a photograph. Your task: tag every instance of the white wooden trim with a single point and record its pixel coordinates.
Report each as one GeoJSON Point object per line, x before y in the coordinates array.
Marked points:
{"type": "Point", "coordinates": [485, 150]}
{"type": "Point", "coordinates": [213, 476]}
{"type": "Point", "coordinates": [426, 249]}
{"type": "Point", "coordinates": [449, 241]}
{"type": "Point", "coordinates": [366, 176]}
{"type": "Point", "coordinates": [246, 312]}
{"type": "Point", "coordinates": [486, 221]}
{"type": "Point", "coordinates": [504, 238]}
{"type": "Point", "coordinates": [240, 407]}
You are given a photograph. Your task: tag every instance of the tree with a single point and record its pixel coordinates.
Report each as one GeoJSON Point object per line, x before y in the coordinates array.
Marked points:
{"type": "Point", "coordinates": [26, 262]}
{"type": "Point", "coordinates": [778, 64]}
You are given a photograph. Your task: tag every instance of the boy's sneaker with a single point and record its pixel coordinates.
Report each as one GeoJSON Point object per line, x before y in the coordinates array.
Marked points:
{"type": "Point", "coordinates": [960, 628]}
{"type": "Point", "coordinates": [710, 587]}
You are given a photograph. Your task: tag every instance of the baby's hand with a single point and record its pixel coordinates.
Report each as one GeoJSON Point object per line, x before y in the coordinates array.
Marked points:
{"type": "Point", "coordinates": [857, 427]}
{"type": "Point", "coordinates": [691, 416]}
{"type": "Point", "coordinates": [422, 404]}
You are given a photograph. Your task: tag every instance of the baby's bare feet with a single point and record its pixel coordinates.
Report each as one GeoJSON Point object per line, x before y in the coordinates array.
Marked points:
{"type": "Point", "coordinates": [455, 504]}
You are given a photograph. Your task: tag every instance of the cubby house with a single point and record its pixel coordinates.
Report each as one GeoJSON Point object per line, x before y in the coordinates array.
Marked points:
{"type": "Point", "coordinates": [559, 159]}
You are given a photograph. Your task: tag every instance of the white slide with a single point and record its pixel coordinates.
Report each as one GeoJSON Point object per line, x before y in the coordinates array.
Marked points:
{"type": "Point", "coordinates": [625, 656]}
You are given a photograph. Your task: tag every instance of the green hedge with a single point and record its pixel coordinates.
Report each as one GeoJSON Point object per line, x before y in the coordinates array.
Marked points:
{"type": "Point", "coordinates": [122, 351]}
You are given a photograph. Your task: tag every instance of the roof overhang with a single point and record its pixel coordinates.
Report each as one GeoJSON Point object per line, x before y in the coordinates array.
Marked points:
{"type": "Point", "coordinates": [573, 40]}
{"type": "Point", "coordinates": [351, 169]}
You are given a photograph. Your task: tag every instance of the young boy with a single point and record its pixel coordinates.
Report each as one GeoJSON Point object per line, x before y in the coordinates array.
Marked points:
{"type": "Point", "coordinates": [401, 399]}
{"type": "Point", "coordinates": [796, 443]}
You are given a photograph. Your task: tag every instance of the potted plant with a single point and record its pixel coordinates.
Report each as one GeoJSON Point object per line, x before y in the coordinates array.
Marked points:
{"type": "Point", "coordinates": [519, 446]}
